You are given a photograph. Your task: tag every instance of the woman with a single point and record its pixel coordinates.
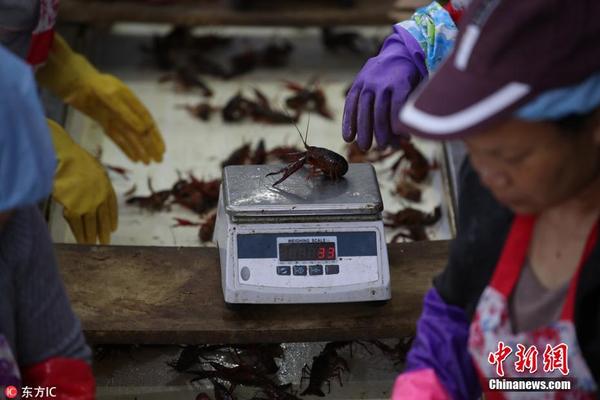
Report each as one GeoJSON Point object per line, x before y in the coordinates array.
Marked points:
{"type": "Point", "coordinates": [41, 343]}
{"type": "Point", "coordinates": [81, 185]}
{"type": "Point", "coordinates": [520, 296]}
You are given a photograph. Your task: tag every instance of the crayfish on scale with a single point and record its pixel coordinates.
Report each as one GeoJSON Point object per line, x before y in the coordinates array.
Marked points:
{"type": "Point", "coordinates": [323, 162]}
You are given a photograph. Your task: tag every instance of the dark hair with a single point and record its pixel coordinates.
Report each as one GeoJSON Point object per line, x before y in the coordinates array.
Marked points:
{"type": "Point", "coordinates": [575, 123]}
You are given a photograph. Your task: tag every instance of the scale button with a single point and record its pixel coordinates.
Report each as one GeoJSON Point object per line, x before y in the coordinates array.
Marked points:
{"type": "Point", "coordinates": [283, 270]}
{"type": "Point", "coordinates": [245, 273]}
{"type": "Point", "coordinates": [332, 269]}
{"type": "Point", "coordinates": [299, 270]}
{"type": "Point", "coordinates": [315, 269]}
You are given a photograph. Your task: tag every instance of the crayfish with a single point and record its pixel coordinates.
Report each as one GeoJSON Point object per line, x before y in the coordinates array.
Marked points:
{"type": "Point", "coordinates": [178, 43]}
{"type": "Point", "coordinates": [201, 111]}
{"type": "Point", "coordinates": [356, 155]}
{"type": "Point", "coordinates": [413, 220]}
{"type": "Point", "coordinates": [334, 41]}
{"type": "Point", "coordinates": [244, 155]}
{"type": "Point", "coordinates": [399, 351]}
{"type": "Point", "coordinates": [221, 391]}
{"type": "Point", "coordinates": [239, 108]}
{"type": "Point", "coordinates": [328, 364]}
{"type": "Point", "coordinates": [196, 195]}
{"type": "Point", "coordinates": [308, 98]}
{"type": "Point", "coordinates": [207, 228]}
{"type": "Point", "coordinates": [185, 79]}
{"type": "Point", "coordinates": [419, 166]}
{"type": "Point", "coordinates": [328, 162]}
{"type": "Point", "coordinates": [260, 154]}
{"type": "Point", "coordinates": [155, 202]}
{"type": "Point", "coordinates": [274, 55]}
{"type": "Point", "coordinates": [238, 375]}
{"type": "Point", "coordinates": [408, 190]}
{"type": "Point", "coordinates": [277, 54]}
{"type": "Point", "coordinates": [238, 156]}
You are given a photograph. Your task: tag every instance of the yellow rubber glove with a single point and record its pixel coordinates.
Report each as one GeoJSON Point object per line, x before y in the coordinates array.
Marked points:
{"type": "Point", "coordinates": [103, 98]}
{"type": "Point", "coordinates": [85, 191]}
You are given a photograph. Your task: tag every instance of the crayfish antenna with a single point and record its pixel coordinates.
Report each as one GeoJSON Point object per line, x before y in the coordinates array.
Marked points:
{"type": "Point", "coordinates": [298, 129]}
{"type": "Point", "coordinates": [306, 135]}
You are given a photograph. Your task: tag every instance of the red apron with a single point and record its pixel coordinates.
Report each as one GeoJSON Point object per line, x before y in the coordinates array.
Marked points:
{"type": "Point", "coordinates": [554, 347]}
{"type": "Point", "coordinates": [41, 38]}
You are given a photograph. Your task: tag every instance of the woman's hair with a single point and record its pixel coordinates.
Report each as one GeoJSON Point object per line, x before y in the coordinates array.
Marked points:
{"type": "Point", "coordinates": [576, 123]}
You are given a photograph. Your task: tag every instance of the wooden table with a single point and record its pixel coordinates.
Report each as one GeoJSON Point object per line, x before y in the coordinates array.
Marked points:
{"type": "Point", "coordinates": [263, 12]}
{"type": "Point", "coordinates": [169, 295]}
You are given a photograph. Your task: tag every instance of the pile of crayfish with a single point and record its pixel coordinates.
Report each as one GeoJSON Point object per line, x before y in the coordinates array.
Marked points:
{"type": "Point", "coordinates": [409, 178]}
{"type": "Point", "coordinates": [228, 366]}
{"type": "Point", "coordinates": [199, 196]}
{"type": "Point", "coordinates": [240, 107]}
{"type": "Point", "coordinates": [257, 366]}
{"type": "Point", "coordinates": [180, 48]}
{"type": "Point", "coordinates": [202, 196]}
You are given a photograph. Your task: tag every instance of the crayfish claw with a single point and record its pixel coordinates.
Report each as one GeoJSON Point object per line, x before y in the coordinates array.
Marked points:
{"type": "Point", "coordinates": [289, 170]}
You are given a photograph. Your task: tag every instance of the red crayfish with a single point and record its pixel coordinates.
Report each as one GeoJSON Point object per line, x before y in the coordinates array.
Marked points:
{"type": "Point", "coordinates": [155, 202]}
{"type": "Point", "coordinates": [413, 220]}
{"type": "Point", "coordinates": [185, 79]}
{"type": "Point", "coordinates": [419, 166]}
{"type": "Point", "coordinates": [329, 163]}
{"type": "Point", "coordinates": [201, 111]}
{"type": "Point", "coordinates": [308, 98]}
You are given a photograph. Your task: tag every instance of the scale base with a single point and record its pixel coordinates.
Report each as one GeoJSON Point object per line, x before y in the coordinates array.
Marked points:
{"type": "Point", "coordinates": [240, 307]}
{"type": "Point", "coordinates": [256, 222]}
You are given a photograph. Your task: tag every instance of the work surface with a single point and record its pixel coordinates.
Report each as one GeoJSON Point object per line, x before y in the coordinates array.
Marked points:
{"type": "Point", "coordinates": [169, 295]}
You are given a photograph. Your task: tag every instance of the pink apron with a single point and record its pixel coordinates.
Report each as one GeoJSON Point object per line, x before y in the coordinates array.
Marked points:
{"type": "Point", "coordinates": [551, 351]}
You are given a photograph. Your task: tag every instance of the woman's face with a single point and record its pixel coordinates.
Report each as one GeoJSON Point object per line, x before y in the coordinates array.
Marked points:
{"type": "Point", "coordinates": [530, 166]}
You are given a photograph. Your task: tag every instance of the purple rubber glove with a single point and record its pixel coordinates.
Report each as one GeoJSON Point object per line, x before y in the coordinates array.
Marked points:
{"type": "Point", "coordinates": [379, 91]}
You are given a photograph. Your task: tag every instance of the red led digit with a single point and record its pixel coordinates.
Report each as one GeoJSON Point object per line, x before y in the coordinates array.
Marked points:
{"type": "Point", "coordinates": [321, 254]}
{"type": "Point", "coordinates": [331, 253]}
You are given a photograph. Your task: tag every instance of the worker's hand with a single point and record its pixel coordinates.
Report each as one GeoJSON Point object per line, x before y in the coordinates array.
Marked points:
{"type": "Point", "coordinates": [105, 99]}
{"type": "Point", "coordinates": [85, 191]}
{"type": "Point", "coordinates": [379, 91]}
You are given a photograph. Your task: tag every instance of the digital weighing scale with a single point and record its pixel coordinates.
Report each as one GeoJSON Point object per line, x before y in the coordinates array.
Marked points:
{"type": "Point", "coordinates": [304, 241]}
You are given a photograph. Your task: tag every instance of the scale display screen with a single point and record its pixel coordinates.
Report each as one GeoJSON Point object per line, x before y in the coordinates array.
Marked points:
{"type": "Point", "coordinates": [307, 251]}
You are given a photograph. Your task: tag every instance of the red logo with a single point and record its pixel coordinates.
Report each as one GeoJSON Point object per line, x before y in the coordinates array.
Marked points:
{"type": "Point", "coordinates": [11, 392]}
{"type": "Point", "coordinates": [526, 359]}
{"type": "Point", "coordinates": [499, 356]}
{"type": "Point", "coordinates": [556, 358]}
